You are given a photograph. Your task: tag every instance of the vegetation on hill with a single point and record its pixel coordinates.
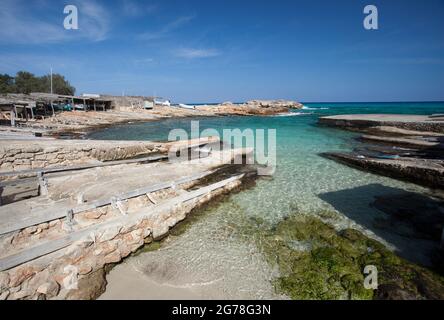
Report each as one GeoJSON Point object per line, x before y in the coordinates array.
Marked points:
{"type": "Point", "coordinates": [26, 82]}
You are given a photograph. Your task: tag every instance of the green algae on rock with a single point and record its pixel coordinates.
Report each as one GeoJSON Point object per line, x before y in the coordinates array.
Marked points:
{"type": "Point", "coordinates": [331, 264]}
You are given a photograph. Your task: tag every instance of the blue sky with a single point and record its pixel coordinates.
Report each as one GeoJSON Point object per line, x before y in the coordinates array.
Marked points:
{"type": "Point", "coordinates": [218, 50]}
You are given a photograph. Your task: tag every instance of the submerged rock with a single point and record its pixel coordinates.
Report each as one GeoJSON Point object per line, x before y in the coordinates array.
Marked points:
{"type": "Point", "coordinates": [333, 269]}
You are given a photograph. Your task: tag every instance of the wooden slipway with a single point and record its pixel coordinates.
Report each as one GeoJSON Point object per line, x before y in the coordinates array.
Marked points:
{"type": "Point", "coordinates": [102, 185]}
{"type": "Point", "coordinates": [40, 250]}
{"type": "Point", "coordinates": [13, 221]}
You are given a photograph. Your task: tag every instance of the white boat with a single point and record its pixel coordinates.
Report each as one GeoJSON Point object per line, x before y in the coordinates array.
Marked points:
{"type": "Point", "coordinates": [162, 102]}
{"type": "Point", "coordinates": [186, 106]}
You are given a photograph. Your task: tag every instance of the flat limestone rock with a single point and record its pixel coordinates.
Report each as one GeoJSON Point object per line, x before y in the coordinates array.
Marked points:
{"type": "Point", "coordinates": [402, 121]}
{"type": "Point", "coordinates": [424, 172]}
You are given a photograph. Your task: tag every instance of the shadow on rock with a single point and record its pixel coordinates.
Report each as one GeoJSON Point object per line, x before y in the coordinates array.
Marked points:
{"type": "Point", "coordinates": [411, 222]}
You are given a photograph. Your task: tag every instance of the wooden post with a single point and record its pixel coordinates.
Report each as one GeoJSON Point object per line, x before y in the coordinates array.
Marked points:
{"type": "Point", "coordinates": [150, 198]}
{"type": "Point", "coordinates": [80, 198]}
{"type": "Point", "coordinates": [32, 111]}
{"type": "Point", "coordinates": [43, 184]}
{"type": "Point", "coordinates": [442, 240]}
{"type": "Point", "coordinates": [70, 216]}
{"type": "Point", "coordinates": [12, 118]}
{"type": "Point", "coordinates": [44, 110]}
{"type": "Point", "coordinates": [94, 102]}
{"type": "Point", "coordinates": [117, 203]}
{"type": "Point", "coordinates": [69, 223]}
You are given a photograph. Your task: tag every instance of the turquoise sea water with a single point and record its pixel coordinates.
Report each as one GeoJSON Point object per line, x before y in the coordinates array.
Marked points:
{"type": "Point", "coordinates": [304, 183]}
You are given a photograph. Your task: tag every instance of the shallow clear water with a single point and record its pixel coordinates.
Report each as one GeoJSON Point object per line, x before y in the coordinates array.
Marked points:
{"type": "Point", "coordinates": [213, 247]}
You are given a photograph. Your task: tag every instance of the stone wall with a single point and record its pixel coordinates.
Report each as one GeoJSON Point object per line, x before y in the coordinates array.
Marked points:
{"type": "Point", "coordinates": [127, 103]}
{"type": "Point", "coordinates": [31, 156]}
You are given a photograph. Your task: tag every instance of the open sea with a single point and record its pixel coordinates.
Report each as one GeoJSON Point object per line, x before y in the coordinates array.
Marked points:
{"type": "Point", "coordinates": [215, 258]}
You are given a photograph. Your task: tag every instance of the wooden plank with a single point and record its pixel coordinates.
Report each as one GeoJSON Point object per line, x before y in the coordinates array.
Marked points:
{"type": "Point", "coordinates": [47, 215]}
{"type": "Point", "coordinates": [40, 250]}
{"type": "Point", "coordinates": [141, 191]}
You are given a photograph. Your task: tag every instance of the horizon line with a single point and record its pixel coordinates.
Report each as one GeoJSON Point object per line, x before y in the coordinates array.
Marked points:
{"type": "Point", "coordinates": [400, 101]}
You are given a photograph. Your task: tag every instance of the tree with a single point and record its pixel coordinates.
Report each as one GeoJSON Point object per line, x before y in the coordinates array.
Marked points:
{"type": "Point", "coordinates": [26, 82]}
{"type": "Point", "coordinates": [6, 83]}
{"type": "Point", "coordinates": [59, 84]}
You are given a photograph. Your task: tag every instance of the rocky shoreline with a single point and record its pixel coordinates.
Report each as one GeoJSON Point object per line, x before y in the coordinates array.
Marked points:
{"type": "Point", "coordinates": [405, 147]}
{"type": "Point", "coordinates": [408, 148]}
{"type": "Point", "coordinates": [78, 123]}
{"type": "Point", "coordinates": [359, 122]}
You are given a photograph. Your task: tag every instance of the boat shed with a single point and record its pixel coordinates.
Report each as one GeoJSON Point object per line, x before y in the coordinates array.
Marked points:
{"type": "Point", "coordinates": [16, 110]}
{"type": "Point", "coordinates": [20, 107]}
{"type": "Point", "coordinates": [84, 102]}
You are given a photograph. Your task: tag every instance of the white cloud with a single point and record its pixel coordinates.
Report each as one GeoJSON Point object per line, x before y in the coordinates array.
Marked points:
{"type": "Point", "coordinates": [143, 62]}
{"type": "Point", "coordinates": [17, 26]}
{"type": "Point", "coordinates": [20, 23]}
{"type": "Point", "coordinates": [407, 61]}
{"type": "Point", "coordinates": [166, 29]}
{"type": "Point", "coordinates": [93, 20]}
{"type": "Point", "coordinates": [190, 53]}
{"type": "Point", "coordinates": [133, 9]}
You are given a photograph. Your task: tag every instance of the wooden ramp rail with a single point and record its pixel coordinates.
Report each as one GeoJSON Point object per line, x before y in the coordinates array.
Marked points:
{"type": "Point", "coordinates": [43, 249]}
{"type": "Point", "coordinates": [49, 214]}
